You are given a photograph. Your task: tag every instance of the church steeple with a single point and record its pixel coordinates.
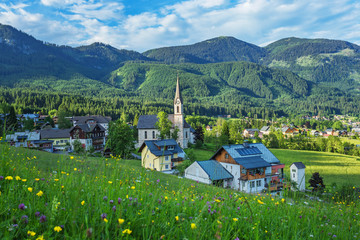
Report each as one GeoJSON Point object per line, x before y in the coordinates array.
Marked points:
{"type": "Point", "coordinates": [178, 102]}
{"type": "Point", "coordinates": [177, 93]}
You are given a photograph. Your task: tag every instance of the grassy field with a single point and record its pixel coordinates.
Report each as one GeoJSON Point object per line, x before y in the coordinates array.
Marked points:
{"type": "Point", "coordinates": [334, 168]}
{"type": "Point", "coordinates": [48, 196]}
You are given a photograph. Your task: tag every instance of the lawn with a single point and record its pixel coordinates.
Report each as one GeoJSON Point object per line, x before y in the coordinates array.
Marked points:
{"type": "Point", "coordinates": [334, 168]}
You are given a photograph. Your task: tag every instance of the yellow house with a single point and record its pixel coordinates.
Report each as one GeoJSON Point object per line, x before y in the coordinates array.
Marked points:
{"type": "Point", "coordinates": [161, 155]}
{"type": "Point", "coordinates": [61, 137]}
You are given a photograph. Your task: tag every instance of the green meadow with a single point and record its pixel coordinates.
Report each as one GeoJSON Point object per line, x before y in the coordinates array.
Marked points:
{"type": "Point", "coordinates": [49, 196]}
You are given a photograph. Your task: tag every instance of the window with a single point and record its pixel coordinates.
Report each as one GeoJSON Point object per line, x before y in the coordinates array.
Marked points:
{"type": "Point", "coordinates": [252, 184]}
{"type": "Point", "coordinates": [177, 109]}
{"type": "Point", "coordinates": [258, 183]}
{"type": "Point", "coordinates": [293, 175]}
{"type": "Point", "coordinates": [166, 166]}
{"type": "Point", "coordinates": [170, 147]}
{"type": "Point", "coordinates": [186, 134]}
{"type": "Point", "coordinates": [153, 133]}
{"type": "Point", "coordinates": [293, 170]}
{"type": "Point", "coordinates": [226, 156]}
{"type": "Point", "coordinates": [166, 158]}
{"type": "Point", "coordinates": [145, 134]}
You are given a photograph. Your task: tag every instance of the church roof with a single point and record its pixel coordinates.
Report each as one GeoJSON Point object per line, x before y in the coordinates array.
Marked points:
{"type": "Point", "coordinates": [149, 121]}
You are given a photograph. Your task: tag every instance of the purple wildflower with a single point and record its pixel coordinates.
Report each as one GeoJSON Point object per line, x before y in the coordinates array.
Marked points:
{"type": "Point", "coordinates": [25, 219]}
{"type": "Point", "coordinates": [300, 217]}
{"type": "Point", "coordinates": [103, 216]}
{"type": "Point", "coordinates": [334, 236]}
{"type": "Point", "coordinates": [15, 225]}
{"type": "Point", "coordinates": [43, 218]}
{"type": "Point", "coordinates": [62, 226]}
{"type": "Point", "coordinates": [157, 181]}
{"type": "Point", "coordinates": [105, 198]}
{"type": "Point", "coordinates": [42, 179]}
{"type": "Point", "coordinates": [114, 208]}
{"type": "Point", "coordinates": [37, 214]}
{"type": "Point", "coordinates": [119, 200]}
{"type": "Point", "coordinates": [130, 198]}
{"type": "Point", "coordinates": [1, 178]}
{"type": "Point", "coordinates": [22, 206]}
{"type": "Point", "coordinates": [111, 201]}
{"type": "Point", "coordinates": [236, 238]}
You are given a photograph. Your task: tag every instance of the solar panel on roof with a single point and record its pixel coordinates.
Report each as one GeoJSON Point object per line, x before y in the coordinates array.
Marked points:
{"type": "Point", "coordinates": [248, 151]}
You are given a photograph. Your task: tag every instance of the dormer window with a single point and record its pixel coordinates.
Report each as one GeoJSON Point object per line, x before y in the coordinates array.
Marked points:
{"type": "Point", "coordinates": [226, 156]}
{"type": "Point", "coordinates": [170, 147]}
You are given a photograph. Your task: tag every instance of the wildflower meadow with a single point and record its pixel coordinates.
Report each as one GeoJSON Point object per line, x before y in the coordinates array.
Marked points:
{"type": "Point", "coordinates": [48, 196]}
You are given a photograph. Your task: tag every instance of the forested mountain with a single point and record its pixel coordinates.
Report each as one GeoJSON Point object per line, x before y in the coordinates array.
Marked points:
{"type": "Point", "coordinates": [218, 76]}
{"type": "Point", "coordinates": [221, 49]}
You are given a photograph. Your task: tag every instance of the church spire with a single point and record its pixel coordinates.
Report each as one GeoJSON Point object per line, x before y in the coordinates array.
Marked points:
{"type": "Point", "coordinates": [177, 93]}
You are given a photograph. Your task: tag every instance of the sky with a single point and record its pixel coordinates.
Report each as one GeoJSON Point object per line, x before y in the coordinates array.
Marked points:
{"type": "Point", "coordinates": [141, 25]}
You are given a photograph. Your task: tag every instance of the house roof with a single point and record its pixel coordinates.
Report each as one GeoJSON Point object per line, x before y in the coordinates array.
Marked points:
{"type": "Point", "coordinates": [55, 133]}
{"type": "Point", "coordinates": [249, 149]}
{"type": "Point", "coordinates": [149, 121]}
{"type": "Point", "coordinates": [215, 170]}
{"type": "Point", "coordinates": [265, 128]}
{"type": "Point", "coordinates": [29, 136]}
{"type": "Point", "coordinates": [154, 147]}
{"type": "Point", "coordinates": [251, 129]}
{"type": "Point", "coordinates": [88, 127]}
{"type": "Point", "coordinates": [84, 119]}
{"type": "Point", "coordinates": [252, 162]}
{"type": "Point", "coordinates": [299, 165]}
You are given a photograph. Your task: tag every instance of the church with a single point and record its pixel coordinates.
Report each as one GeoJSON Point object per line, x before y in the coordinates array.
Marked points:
{"type": "Point", "coordinates": [147, 129]}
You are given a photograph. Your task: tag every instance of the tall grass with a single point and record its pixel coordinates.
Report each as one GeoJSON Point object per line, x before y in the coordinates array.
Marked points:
{"type": "Point", "coordinates": [117, 199]}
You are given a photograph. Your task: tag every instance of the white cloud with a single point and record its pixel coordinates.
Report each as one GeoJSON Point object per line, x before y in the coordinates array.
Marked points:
{"type": "Point", "coordinates": [60, 3]}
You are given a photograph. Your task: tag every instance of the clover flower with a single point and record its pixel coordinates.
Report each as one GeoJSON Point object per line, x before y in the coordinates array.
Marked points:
{"type": "Point", "coordinates": [22, 206]}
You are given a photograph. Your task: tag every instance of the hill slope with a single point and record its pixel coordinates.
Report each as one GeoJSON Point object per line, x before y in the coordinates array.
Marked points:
{"type": "Point", "coordinates": [221, 49]}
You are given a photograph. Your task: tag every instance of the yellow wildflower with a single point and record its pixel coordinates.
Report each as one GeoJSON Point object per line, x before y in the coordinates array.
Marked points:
{"type": "Point", "coordinates": [193, 226]}
{"type": "Point", "coordinates": [166, 198]}
{"type": "Point", "coordinates": [41, 237]}
{"type": "Point", "coordinates": [35, 157]}
{"type": "Point", "coordinates": [282, 200]}
{"type": "Point", "coordinates": [128, 231]}
{"type": "Point", "coordinates": [71, 157]}
{"type": "Point", "coordinates": [133, 187]}
{"type": "Point", "coordinates": [57, 229]}
{"type": "Point", "coordinates": [40, 193]}
{"type": "Point", "coordinates": [177, 218]}
{"type": "Point", "coordinates": [24, 180]}
{"type": "Point", "coordinates": [121, 221]}
{"type": "Point", "coordinates": [82, 203]}
{"type": "Point", "coordinates": [56, 179]}
{"type": "Point", "coordinates": [37, 179]}
{"type": "Point", "coordinates": [30, 189]}
{"type": "Point", "coordinates": [110, 182]}
{"type": "Point", "coordinates": [9, 178]}
{"type": "Point", "coordinates": [260, 202]}
{"type": "Point", "coordinates": [75, 169]}
{"type": "Point", "coordinates": [235, 219]}
{"type": "Point", "coordinates": [18, 178]}
{"type": "Point", "coordinates": [105, 220]}
{"type": "Point", "coordinates": [31, 233]}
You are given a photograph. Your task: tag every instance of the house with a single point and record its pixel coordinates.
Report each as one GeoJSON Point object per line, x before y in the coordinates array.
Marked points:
{"type": "Point", "coordinates": [297, 175]}
{"type": "Point", "coordinates": [315, 133]}
{"type": "Point", "coordinates": [209, 127]}
{"type": "Point", "coordinates": [61, 137]}
{"type": "Point", "coordinates": [91, 120]}
{"type": "Point", "coordinates": [147, 123]}
{"type": "Point", "coordinates": [253, 167]}
{"type": "Point", "coordinates": [250, 132]}
{"type": "Point", "coordinates": [289, 131]}
{"type": "Point", "coordinates": [161, 155]}
{"type": "Point", "coordinates": [209, 172]}
{"type": "Point", "coordinates": [265, 130]}
{"type": "Point", "coordinates": [89, 135]}
{"type": "Point", "coordinates": [29, 140]}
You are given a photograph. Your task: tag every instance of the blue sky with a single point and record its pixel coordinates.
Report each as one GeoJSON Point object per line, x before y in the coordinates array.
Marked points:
{"type": "Point", "coordinates": [141, 25]}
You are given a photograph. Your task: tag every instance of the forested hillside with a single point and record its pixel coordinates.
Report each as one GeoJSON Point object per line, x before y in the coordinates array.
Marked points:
{"type": "Point", "coordinates": [218, 76]}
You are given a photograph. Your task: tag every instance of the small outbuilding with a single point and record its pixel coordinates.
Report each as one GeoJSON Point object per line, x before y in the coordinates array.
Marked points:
{"type": "Point", "coordinates": [209, 172]}
{"type": "Point", "coordinates": [297, 174]}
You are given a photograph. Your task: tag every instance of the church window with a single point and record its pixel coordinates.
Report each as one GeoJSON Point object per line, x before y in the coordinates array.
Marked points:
{"type": "Point", "coordinates": [153, 133]}
{"type": "Point", "coordinates": [186, 133]}
{"type": "Point", "coordinates": [177, 109]}
{"type": "Point", "coordinates": [145, 134]}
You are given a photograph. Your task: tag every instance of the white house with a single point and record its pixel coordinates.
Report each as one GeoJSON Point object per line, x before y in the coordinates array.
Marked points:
{"type": "Point", "coordinates": [297, 174]}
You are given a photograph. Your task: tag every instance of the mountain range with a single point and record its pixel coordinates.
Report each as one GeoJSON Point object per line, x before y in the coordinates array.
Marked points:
{"type": "Point", "coordinates": [222, 69]}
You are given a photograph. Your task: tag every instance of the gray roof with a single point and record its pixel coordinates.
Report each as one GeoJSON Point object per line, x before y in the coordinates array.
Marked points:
{"type": "Point", "coordinates": [252, 162]}
{"type": "Point", "coordinates": [84, 119]}
{"type": "Point", "coordinates": [265, 128]}
{"type": "Point", "coordinates": [215, 170]}
{"type": "Point", "coordinates": [54, 133]}
{"type": "Point", "coordinates": [88, 127]}
{"type": "Point", "coordinates": [149, 121]}
{"type": "Point", "coordinates": [253, 149]}
{"type": "Point", "coordinates": [153, 146]}
{"type": "Point", "coordinates": [299, 165]}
